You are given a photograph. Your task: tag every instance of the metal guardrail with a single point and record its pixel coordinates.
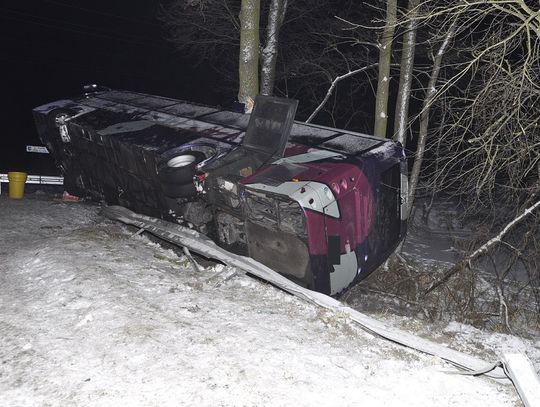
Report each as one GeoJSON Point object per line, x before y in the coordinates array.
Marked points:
{"type": "Point", "coordinates": [36, 179]}
{"type": "Point", "coordinates": [516, 367]}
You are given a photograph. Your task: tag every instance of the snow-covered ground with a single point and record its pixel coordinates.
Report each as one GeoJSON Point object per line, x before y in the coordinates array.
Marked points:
{"type": "Point", "coordinates": [91, 315]}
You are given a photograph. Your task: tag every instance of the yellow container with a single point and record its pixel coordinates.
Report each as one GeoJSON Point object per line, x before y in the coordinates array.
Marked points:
{"type": "Point", "coordinates": [16, 184]}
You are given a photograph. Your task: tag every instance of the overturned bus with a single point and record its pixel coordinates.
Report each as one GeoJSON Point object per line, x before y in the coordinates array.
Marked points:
{"type": "Point", "coordinates": [322, 206]}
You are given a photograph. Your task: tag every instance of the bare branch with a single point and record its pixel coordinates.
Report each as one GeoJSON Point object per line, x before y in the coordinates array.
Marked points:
{"type": "Point", "coordinates": [483, 249]}
{"type": "Point", "coordinates": [332, 87]}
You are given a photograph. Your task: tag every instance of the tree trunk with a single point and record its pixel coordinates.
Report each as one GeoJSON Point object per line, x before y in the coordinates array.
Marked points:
{"type": "Point", "coordinates": [405, 75]}
{"type": "Point", "coordinates": [276, 14]}
{"type": "Point", "coordinates": [248, 67]}
{"type": "Point", "coordinates": [383, 84]}
{"type": "Point", "coordinates": [431, 93]}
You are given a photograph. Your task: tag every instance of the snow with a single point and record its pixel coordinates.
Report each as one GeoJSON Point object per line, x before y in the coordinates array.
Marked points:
{"type": "Point", "coordinates": [467, 337]}
{"type": "Point", "coordinates": [189, 110]}
{"type": "Point", "coordinates": [303, 129]}
{"type": "Point", "coordinates": [520, 369]}
{"type": "Point", "coordinates": [93, 315]}
{"type": "Point", "coordinates": [231, 119]}
{"type": "Point", "coordinates": [350, 144]}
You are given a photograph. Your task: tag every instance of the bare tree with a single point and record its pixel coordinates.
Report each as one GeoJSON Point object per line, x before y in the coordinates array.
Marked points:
{"type": "Point", "coordinates": [276, 15]}
{"type": "Point", "coordinates": [429, 97]}
{"type": "Point", "coordinates": [303, 45]}
{"type": "Point", "coordinates": [332, 87]}
{"type": "Point", "coordinates": [206, 30]}
{"type": "Point", "coordinates": [401, 117]}
{"type": "Point", "coordinates": [385, 61]}
{"type": "Point", "coordinates": [248, 66]}
{"type": "Point", "coordinates": [491, 137]}
{"type": "Point", "coordinates": [479, 127]}
{"type": "Point", "coordinates": [225, 35]}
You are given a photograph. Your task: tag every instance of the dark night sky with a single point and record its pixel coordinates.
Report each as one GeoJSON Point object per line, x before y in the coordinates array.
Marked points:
{"type": "Point", "coordinates": [51, 48]}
